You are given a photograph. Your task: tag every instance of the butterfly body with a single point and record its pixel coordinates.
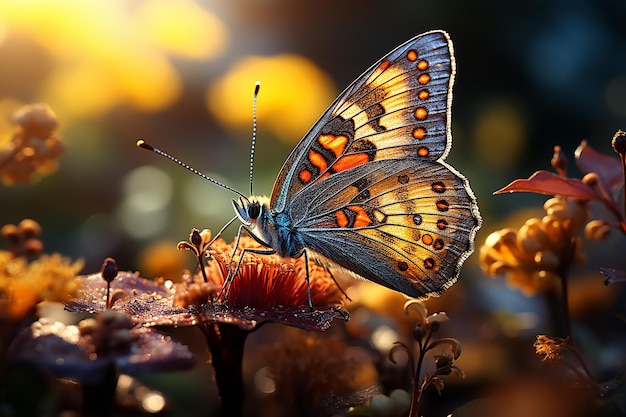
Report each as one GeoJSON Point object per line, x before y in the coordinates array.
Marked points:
{"type": "Point", "coordinates": [273, 230]}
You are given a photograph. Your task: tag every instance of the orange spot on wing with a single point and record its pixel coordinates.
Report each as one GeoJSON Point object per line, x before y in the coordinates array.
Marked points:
{"type": "Point", "coordinates": [422, 151]}
{"type": "Point", "coordinates": [419, 133]}
{"type": "Point", "coordinates": [423, 79]}
{"type": "Point", "coordinates": [411, 55]}
{"type": "Point", "coordinates": [350, 161]}
{"type": "Point", "coordinates": [317, 160]}
{"type": "Point", "coordinates": [362, 219]}
{"type": "Point", "coordinates": [341, 218]}
{"type": "Point", "coordinates": [422, 65]}
{"type": "Point", "coordinates": [427, 239]}
{"type": "Point", "coordinates": [305, 175]}
{"type": "Point", "coordinates": [423, 95]}
{"type": "Point", "coordinates": [421, 113]}
{"type": "Point", "coordinates": [384, 65]}
{"type": "Point", "coordinates": [337, 144]}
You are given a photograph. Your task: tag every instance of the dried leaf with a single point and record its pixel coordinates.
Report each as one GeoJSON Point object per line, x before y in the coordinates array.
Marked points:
{"type": "Point", "coordinates": [544, 182]}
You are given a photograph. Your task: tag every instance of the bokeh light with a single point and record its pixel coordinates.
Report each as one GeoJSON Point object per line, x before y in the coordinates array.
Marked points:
{"type": "Point", "coordinates": [293, 88]}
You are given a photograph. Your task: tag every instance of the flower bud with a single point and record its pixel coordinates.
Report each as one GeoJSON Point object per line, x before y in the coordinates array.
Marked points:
{"type": "Point", "coordinates": [30, 228]}
{"type": "Point", "coordinates": [442, 361]}
{"type": "Point", "coordinates": [559, 161]}
{"type": "Point", "coordinates": [619, 142]}
{"type": "Point", "coordinates": [33, 247]}
{"type": "Point", "coordinates": [597, 230]}
{"type": "Point", "coordinates": [11, 233]}
{"type": "Point", "coordinates": [109, 269]}
{"type": "Point", "coordinates": [591, 179]}
{"type": "Point", "coordinates": [195, 238]}
{"type": "Point", "coordinates": [531, 237]}
{"type": "Point", "coordinates": [418, 332]}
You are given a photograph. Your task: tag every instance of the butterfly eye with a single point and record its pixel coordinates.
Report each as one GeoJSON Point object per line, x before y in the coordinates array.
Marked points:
{"type": "Point", "coordinates": [254, 210]}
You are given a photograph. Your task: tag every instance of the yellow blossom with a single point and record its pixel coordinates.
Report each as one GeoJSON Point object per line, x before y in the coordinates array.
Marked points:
{"type": "Point", "coordinates": [23, 285]}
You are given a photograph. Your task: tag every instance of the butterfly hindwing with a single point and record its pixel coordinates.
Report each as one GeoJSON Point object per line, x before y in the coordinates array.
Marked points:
{"type": "Point", "coordinates": [406, 227]}
{"type": "Point", "coordinates": [396, 109]}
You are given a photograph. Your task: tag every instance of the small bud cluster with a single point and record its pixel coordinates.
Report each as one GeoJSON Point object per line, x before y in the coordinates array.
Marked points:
{"type": "Point", "coordinates": [34, 149]}
{"type": "Point", "coordinates": [530, 256]}
{"type": "Point", "coordinates": [23, 238]}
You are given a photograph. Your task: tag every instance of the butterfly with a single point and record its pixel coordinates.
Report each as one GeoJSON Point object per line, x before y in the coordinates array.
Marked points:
{"type": "Point", "coordinates": [367, 190]}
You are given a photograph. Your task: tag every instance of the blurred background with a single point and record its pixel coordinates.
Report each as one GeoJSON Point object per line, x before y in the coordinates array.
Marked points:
{"type": "Point", "coordinates": [530, 75]}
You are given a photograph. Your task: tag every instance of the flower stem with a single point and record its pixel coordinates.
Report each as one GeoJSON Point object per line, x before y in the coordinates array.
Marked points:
{"type": "Point", "coordinates": [622, 159]}
{"type": "Point", "coordinates": [226, 343]}
{"type": "Point", "coordinates": [418, 389]}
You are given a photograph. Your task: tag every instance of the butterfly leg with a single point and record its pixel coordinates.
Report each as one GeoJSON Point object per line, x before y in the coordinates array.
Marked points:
{"type": "Point", "coordinates": [228, 282]}
{"type": "Point", "coordinates": [308, 281]}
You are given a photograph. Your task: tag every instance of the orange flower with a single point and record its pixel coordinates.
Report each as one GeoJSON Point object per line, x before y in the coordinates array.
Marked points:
{"type": "Point", "coordinates": [261, 281]}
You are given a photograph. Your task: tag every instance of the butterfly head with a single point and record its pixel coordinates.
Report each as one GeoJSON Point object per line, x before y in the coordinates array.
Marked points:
{"type": "Point", "coordinates": [251, 212]}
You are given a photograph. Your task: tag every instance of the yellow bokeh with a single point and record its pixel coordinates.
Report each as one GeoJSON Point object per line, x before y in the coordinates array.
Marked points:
{"type": "Point", "coordinates": [113, 52]}
{"type": "Point", "coordinates": [499, 136]}
{"type": "Point", "coordinates": [183, 28]}
{"type": "Point", "coordinates": [294, 93]}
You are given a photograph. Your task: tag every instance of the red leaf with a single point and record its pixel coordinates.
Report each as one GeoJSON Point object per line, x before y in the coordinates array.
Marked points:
{"type": "Point", "coordinates": [544, 182]}
{"type": "Point", "coordinates": [607, 167]}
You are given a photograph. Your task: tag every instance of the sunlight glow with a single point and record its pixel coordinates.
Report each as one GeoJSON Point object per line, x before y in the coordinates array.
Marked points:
{"type": "Point", "coordinates": [109, 53]}
{"type": "Point", "coordinates": [183, 28]}
{"type": "Point", "coordinates": [294, 92]}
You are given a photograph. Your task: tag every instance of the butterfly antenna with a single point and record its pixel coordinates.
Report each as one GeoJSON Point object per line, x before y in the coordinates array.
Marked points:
{"type": "Point", "coordinates": [142, 144]}
{"type": "Point", "coordinates": [257, 86]}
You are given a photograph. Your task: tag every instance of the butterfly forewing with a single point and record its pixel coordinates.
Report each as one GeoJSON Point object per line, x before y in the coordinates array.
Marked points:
{"type": "Point", "coordinates": [396, 109]}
